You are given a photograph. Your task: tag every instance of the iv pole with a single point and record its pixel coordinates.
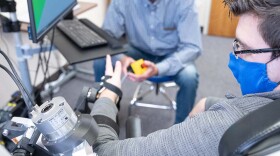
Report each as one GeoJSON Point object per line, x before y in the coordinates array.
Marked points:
{"type": "Point", "coordinates": [12, 25]}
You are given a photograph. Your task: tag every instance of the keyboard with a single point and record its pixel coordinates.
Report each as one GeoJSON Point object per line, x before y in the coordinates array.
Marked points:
{"type": "Point", "coordinates": [80, 34]}
{"type": "Point", "coordinates": [113, 42]}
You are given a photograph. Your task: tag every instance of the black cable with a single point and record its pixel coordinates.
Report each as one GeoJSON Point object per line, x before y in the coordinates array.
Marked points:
{"type": "Point", "coordinates": [36, 73]}
{"type": "Point", "coordinates": [43, 70]}
{"type": "Point", "coordinates": [17, 77]}
{"type": "Point", "coordinates": [47, 60]}
{"type": "Point", "coordinates": [17, 82]}
{"type": "Point", "coordinates": [38, 66]}
{"type": "Point", "coordinates": [47, 72]}
{"type": "Point", "coordinates": [50, 50]}
{"type": "Point", "coordinates": [40, 62]}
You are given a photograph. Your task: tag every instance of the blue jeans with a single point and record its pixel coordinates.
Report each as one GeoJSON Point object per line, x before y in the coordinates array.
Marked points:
{"type": "Point", "coordinates": [186, 79]}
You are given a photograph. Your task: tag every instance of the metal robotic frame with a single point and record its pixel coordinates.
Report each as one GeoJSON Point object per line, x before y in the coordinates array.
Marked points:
{"type": "Point", "coordinates": [23, 52]}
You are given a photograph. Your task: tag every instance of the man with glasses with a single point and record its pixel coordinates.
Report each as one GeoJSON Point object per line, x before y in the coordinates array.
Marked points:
{"type": "Point", "coordinates": [255, 64]}
{"type": "Point", "coordinates": [253, 70]}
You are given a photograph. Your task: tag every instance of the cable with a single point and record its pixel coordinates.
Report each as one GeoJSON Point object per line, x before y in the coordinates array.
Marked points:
{"type": "Point", "coordinates": [48, 60]}
{"type": "Point", "coordinates": [41, 61]}
{"type": "Point", "coordinates": [37, 68]}
{"type": "Point", "coordinates": [17, 77]}
{"type": "Point", "coordinates": [47, 72]}
{"type": "Point", "coordinates": [40, 64]}
{"type": "Point", "coordinates": [36, 94]}
{"type": "Point", "coordinates": [17, 82]}
{"type": "Point", "coordinates": [49, 56]}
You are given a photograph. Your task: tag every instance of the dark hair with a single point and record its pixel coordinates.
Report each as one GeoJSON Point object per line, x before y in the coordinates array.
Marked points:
{"type": "Point", "coordinates": [268, 11]}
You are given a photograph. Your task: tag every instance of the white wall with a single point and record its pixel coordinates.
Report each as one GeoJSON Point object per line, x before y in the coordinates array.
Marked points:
{"type": "Point", "coordinates": [95, 15]}
{"type": "Point", "coordinates": [204, 7]}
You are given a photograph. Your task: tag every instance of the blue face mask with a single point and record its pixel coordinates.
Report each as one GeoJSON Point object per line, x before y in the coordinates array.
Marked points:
{"type": "Point", "coordinates": [251, 76]}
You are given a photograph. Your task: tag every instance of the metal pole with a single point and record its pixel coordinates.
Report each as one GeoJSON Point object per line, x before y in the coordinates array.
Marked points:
{"type": "Point", "coordinates": [22, 61]}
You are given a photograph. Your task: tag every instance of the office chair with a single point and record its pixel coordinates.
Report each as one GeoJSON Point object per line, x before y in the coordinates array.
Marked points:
{"type": "Point", "coordinates": [256, 134]}
{"type": "Point", "coordinates": [156, 84]}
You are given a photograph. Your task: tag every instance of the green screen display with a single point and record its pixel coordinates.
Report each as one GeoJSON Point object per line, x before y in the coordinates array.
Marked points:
{"type": "Point", "coordinates": [46, 13]}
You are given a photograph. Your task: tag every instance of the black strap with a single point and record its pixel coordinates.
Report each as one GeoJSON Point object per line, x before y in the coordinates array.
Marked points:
{"type": "Point", "coordinates": [116, 90]}
{"type": "Point", "coordinates": [113, 88]}
{"type": "Point", "coordinates": [101, 119]}
{"type": "Point", "coordinates": [109, 86]}
{"type": "Point", "coordinates": [105, 77]}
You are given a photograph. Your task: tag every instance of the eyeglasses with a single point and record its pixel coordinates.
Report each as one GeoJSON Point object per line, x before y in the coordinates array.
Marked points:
{"type": "Point", "coordinates": [236, 46]}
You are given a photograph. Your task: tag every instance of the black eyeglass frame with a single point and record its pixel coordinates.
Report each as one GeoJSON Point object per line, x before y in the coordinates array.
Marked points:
{"type": "Point", "coordinates": [254, 51]}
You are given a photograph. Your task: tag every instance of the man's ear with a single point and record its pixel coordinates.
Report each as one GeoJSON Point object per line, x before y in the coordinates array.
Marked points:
{"type": "Point", "coordinates": [273, 70]}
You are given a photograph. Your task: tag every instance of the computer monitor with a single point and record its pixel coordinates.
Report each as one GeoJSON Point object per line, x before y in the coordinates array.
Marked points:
{"type": "Point", "coordinates": [45, 14]}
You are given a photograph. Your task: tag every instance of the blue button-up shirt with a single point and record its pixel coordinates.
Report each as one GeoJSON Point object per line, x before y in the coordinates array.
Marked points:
{"type": "Point", "coordinates": [164, 28]}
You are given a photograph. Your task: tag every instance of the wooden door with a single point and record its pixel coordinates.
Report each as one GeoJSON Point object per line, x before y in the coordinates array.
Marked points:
{"type": "Point", "coordinates": [108, 2]}
{"type": "Point", "coordinates": [221, 24]}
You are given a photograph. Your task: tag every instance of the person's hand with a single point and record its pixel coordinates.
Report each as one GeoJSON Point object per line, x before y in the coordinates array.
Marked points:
{"type": "Point", "coordinates": [115, 80]}
{"type": "Point", "coordinates": [126, 61]}
{"type": "Point", "coordinates": [199, 107]}
{"type": "Point", "coordinates": [151, 71]}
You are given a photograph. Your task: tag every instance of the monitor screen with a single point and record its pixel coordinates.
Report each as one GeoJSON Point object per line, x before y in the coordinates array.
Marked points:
{"type": "Point", "coordinates": [44, 14]}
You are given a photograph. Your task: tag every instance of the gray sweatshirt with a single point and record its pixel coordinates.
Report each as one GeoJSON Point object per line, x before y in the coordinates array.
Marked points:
{"type": "Point", "coordinates": [199, 135]}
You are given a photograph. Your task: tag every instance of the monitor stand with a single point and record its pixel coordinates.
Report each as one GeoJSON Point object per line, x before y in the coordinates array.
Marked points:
{"type": "Point", "coordinates": [23, 52]}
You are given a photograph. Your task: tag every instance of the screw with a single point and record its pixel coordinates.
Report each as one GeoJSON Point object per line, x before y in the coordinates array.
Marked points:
{"type": "Point", "coordinates": [5, 132]}
{"type": "Point", "coordinates": [40, 120]}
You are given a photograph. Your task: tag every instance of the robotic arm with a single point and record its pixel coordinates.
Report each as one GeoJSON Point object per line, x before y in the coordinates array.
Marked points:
{"type": "Point", "coordinates": [62, 130]}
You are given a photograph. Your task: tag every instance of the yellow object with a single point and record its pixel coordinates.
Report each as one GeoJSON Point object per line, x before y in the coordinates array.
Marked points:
{"type": "Point", "coordinates": [137, 67]}
{"type": "Point", "coordinates": [11, 104]}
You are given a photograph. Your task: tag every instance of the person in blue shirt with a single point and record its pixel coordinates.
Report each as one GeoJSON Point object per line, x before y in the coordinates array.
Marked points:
{"type": "Point", "coordinates": [166, 34]}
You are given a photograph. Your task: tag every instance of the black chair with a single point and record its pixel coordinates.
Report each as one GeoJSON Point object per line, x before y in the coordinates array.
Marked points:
{"type": "Point", "coordinates": [256, 134]}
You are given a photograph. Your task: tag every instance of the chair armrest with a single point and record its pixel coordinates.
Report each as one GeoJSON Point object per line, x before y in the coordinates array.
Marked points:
{"type": "Point", "coordinates": [249, 132]}
{"type": "Point", "coordinates": [133, 127]}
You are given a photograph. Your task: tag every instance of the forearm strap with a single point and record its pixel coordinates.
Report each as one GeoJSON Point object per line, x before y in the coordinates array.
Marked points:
{"type": "Point", "coordinates": [112, 88]}
{"type": "Point", "coordinates": [104, 120]}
